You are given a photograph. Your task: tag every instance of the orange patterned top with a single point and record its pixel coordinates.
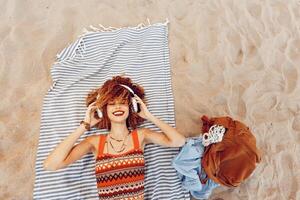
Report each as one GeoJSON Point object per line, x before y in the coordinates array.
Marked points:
{"type": "Point", "coordinates": [120, 176]}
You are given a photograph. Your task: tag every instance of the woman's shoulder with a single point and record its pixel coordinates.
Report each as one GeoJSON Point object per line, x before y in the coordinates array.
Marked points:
{"type": "Point", "coordinates": [141, 136]}
{"type": "Point", "coordinates": [93, 140]}
{"type": "Point", "coordinates": [141, 132]}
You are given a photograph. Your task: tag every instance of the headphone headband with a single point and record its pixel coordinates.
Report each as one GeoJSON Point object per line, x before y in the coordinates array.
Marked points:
{"type": "Point", "coordinates": [125, 86]}
{"type": "Point", "coordinates": [128, 88]}
{"type": "Point", "coordinates": [136, 107]}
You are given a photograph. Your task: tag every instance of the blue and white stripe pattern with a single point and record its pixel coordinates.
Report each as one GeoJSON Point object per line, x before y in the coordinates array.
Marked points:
{"type": "Point", "coordinates": [140, 53]}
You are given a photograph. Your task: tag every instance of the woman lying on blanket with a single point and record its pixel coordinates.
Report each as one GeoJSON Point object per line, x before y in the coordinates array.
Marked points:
{"type": "Point", "coordinates": [117, 106]}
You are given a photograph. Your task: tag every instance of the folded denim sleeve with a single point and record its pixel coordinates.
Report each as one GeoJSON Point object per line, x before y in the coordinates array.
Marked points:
{"type": "Point", "coordinates": [188, 166]}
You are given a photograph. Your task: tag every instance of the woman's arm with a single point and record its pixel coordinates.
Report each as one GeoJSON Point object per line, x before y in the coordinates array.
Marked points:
{"type": "Point", "coordinates": [169, 136]}
{"type": "Point", "coordinates": [65, 152]}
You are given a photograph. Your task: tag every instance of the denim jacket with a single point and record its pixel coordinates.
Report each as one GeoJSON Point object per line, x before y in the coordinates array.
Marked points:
{"type": "Point", "coordinates": [188, 166]}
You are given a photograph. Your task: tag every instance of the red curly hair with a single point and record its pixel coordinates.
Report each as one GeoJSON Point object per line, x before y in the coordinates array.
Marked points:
{"type": "Point", "coordinates": [110, 91]}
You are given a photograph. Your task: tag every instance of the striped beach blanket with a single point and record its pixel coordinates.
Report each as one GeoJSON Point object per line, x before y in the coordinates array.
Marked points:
{"type": "Point", "coordinates": [140, 53]}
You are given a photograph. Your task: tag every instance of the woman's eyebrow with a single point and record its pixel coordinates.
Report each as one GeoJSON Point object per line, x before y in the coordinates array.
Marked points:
{"type": "Point", "coordinates": [118, 100]}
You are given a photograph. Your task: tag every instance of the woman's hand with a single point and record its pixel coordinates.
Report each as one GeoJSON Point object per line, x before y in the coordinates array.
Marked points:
{"type": "Point", "coordinates": [89, 115]}
{"type": "Point", "coordinates": [144, 113]}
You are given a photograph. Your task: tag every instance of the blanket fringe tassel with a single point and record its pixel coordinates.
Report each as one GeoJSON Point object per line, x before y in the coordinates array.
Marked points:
{"type": "Point", "coordinates": [102, 28]}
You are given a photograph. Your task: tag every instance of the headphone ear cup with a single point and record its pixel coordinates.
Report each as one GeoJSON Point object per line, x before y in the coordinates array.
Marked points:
{"type": "Point", "coordinates": [135, 105]}
{"type": "Point", "coordinates": [138, 108]}
{"type": "Point", "coordinates": [99, 112]}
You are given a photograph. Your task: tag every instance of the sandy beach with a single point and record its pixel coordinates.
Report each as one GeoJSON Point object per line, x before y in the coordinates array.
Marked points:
{"type": "Point", "coordinates": [234, 58]}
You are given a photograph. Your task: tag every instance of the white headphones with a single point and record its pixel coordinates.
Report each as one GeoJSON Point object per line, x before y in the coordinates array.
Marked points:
{"type": "Point", "coordinates": [135, 105]}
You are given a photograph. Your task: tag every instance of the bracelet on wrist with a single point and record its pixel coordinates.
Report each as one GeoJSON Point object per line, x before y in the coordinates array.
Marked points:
{"type": "Point", "coordinates": [87, 126]}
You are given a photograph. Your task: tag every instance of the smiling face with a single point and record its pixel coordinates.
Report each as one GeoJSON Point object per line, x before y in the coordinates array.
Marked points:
{"type": "Point", "coordinates": [112, 89]}
{"type": "Point", "coordinates": [118, 110]}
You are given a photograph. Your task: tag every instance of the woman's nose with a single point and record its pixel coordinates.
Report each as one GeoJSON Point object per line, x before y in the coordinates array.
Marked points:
{"type": "Point", "coordinates": [118, 105]}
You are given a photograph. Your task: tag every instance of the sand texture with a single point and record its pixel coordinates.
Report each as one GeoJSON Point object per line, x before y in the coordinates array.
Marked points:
{"type": "Point", "coordinates": [237, 58]}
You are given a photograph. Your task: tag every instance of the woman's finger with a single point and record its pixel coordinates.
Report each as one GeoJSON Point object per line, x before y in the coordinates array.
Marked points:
{"type": "Point", "coordinates": [137, 99]}
{"type": "Point", "coordinates": [137, 96]}
{"type": "Point", "coordinates": [92, 107]}
{"type": "Point", "coordinates": [92, 104]}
